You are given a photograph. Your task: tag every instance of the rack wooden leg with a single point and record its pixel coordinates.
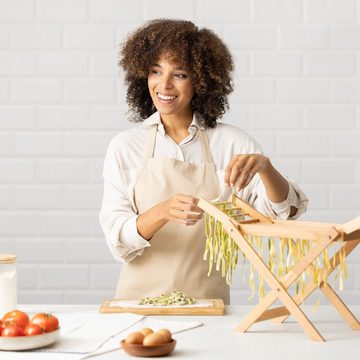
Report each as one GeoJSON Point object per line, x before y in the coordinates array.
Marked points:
{"type": "Point", "coordinates": [257, 311]}
{"type": "Point", "coordinates": [257, 314]}
{"type": "Point", "coordinates": [278, 290]}
{"type": "Point", "coordinates": [311, 287]}
{"type": "Point", "coordinates": [299, 315]}
{"type": "Point", "coordinates": [340, 306]}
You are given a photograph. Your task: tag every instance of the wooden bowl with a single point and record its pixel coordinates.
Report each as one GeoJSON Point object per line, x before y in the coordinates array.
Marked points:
{"type": "Point", "coordinates": [148, 351]}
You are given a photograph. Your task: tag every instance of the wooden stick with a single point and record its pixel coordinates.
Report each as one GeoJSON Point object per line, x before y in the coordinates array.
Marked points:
{"type": "Point", "coordinates": [355, 235]}
{"type": "Point", "coordinates": [351, 226]}
{"type": "Point", "coordinates": [214, 211]}
{"type": "Point", "coordinates": [301, 318]}
{"type": "Point", "coordinates": [285, 230]}
{"type": "Point", "coordinates": [249, 210]}
{"type": "Point", "coordinates": [339, 305]}
{"type": "Point", "coordinates": [255, 314]}
{"type": "Point", "coordinates": [275, 314]}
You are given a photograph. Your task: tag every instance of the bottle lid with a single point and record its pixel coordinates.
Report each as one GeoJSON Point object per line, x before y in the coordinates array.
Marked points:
{"type": "Point", "coordinates": [7, 258]}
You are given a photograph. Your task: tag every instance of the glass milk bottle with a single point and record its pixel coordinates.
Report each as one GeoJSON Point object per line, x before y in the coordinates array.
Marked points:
{"type": "Point", "coordinates": [8, 283]}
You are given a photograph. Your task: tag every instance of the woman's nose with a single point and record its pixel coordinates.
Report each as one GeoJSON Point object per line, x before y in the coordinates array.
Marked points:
{"type": "Point", "coordinates": [166, 82]}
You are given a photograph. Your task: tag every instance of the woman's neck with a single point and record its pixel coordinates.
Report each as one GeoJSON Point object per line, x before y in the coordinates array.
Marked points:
{"type": "Point", "coordinates": [177, 126]}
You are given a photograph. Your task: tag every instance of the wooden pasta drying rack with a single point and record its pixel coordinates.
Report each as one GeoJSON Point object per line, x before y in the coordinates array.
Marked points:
{"type": "Point", "coordinates": [321, 234]}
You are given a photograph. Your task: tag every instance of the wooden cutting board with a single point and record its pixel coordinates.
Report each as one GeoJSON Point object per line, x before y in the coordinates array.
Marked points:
{"type": "Point", "coordinates": [202, 307]}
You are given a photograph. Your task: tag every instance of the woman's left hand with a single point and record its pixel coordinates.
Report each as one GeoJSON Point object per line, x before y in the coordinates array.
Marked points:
{"type": "Point", "coordinates": [242, 168]}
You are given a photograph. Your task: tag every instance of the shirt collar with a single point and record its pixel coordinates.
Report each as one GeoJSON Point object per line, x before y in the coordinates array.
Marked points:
{"type": "Point", "coordinates": [155, 119]}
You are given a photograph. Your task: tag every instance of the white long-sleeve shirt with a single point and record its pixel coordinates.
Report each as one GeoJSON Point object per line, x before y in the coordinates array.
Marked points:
{"type": "Point", "coordinates": [125, 158]}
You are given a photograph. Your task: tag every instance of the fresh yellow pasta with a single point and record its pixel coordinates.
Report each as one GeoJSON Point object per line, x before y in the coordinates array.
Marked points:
{"type": "Point", "coordinates": [282, 255]}
{"type": "Point", "coordinates": [175, 298]}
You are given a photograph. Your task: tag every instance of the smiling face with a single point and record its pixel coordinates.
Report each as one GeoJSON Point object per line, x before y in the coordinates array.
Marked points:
{"type": "Point", "coordinates": [170, 87]}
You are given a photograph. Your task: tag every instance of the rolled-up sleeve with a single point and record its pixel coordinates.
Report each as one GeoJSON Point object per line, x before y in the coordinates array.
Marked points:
{"type": "Point", "coordinates": [117, 215]}
{"type": "Point", "coordinates": [295, 198]}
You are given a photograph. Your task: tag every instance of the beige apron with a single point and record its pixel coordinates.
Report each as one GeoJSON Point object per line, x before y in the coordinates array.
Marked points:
{"type": "Point", "coordinates": [175, 259]}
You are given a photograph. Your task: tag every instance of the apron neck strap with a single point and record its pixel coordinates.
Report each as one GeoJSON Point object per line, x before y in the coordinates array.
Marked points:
{"type": "Point", "coordinates": [151, 142]}
{"type": "Point", "coordinates": [203, 139]}
{"type": "Point", "coordinates": [205, 146]}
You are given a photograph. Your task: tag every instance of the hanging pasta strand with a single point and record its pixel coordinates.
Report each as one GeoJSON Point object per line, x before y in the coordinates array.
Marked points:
{"type": "Point", "coordinates": [272, 254]}
{"type": "Point", "coordinates": [220, 248]}
{"type": "Point", "coordinates": [316, 306]}
{"type": "Point", "coordinates": [343, 262]}
{"type": "Point", "coordinates": [208, 235]}
{"type": "Point", "coordinates": [209, 247]}
{"type": "Point", "coordinates": [243, 263]}
{"type": "Point", "coordinates": [261, 280]}
{"type": "Point", "coordinates": [343, 269]}
{"type": "Point", "coordinates": [281, 267]}
{"type": "Point", "coordinates": [251, 282]}
{"type": "Point", "coordinates": [290, 256]}
{"type": "Point", "coordinates": [326, 266]}
{"type": "Point", "coordinates": [303, 282]}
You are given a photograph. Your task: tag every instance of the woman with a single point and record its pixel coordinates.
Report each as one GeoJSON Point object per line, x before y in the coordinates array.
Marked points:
{"type": "Point", "coordinates": [179, 79]}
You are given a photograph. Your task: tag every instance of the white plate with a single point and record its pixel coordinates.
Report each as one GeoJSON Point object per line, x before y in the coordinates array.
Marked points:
{"type": "Point", "coordinates": [28, 342]}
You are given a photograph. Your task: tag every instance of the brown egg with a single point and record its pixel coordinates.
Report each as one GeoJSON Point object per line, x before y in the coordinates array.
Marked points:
{"type": "Point", "coordinates": [135, 338]}
{"type": "Point", "coordinates": [154, 339]}
{"type": "Point", "coordinates": [146, 331]}
{"type": "Point", "coordinates": [167, 334]}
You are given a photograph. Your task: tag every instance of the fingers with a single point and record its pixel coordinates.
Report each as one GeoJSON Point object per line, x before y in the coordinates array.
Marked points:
{"type": "Point", "coordinates": [186, 203]}
{"type": "Point", "coordinates": [186, 215]}
{"type": "Point", "coordinates": [228, 171]}
{"type": "Point", "coordinates": [184, 210]}
{"type": "Point", "coordinates": [246, 174]}
{"type": "Point", "coordinates": [237, 170]}
{"type": "Point", "coordinates": [249, 177]}
{"type": "Point", "coordinates": [184, 222]}
{"type": "Point", "coordinates": [241, 170]}
{"type": "Point", "coordinates": [181, 217]}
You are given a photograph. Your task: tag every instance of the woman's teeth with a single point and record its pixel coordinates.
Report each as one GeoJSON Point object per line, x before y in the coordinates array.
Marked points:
{"type": "Point", "coordinates": [166, 97]}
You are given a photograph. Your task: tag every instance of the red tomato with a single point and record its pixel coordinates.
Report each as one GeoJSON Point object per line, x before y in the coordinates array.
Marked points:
{"type": "Point", "coordinates": [47, 322]}
{"type": "Point", "coordinates": [17, 316]}
{"type": "Point", "coordinates": [12, 330]}
{"type": "Point", "coordinates": [32, 329]}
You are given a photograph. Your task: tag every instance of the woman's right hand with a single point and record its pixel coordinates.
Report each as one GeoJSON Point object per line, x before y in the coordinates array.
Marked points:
{"type": "Point", "coordinates": [182, 209]}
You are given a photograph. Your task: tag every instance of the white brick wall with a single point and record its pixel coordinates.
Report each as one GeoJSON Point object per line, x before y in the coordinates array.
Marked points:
{"type": "Point", "coordinates": [277, 10]}
{"type": "Point", "coordinates": [38, 91]}
{"type": "Point", "coordinates": [330, 10]}
{"type": "Point", "coordinates": [285, 63]}
{"type": "Point", "coordinates": [61, 10]}
{"type": "Point", "coordinates": [34, 36]}
{"type": "Point", "coordinates": [9, 10]}
{"type": "Point", "coordinates": [297, 90]}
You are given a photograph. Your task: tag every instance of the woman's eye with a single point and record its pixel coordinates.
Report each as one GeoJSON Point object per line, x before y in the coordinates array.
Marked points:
{"type": "Point", "coordinates": [181, 76]}
{"type": "Point", "coordinates": [155, 72]}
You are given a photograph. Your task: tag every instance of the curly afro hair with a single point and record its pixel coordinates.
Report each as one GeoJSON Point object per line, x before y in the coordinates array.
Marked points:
{"type": "Point", "coordinates": [200, 50]}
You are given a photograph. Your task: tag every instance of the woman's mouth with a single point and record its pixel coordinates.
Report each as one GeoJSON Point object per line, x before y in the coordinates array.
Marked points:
{"type": "Point", "coordinates": [166, 98]}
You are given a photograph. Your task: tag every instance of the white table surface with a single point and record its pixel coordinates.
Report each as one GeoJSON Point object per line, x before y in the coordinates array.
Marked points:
{"type": "Point", "coordinates": [218, 340]}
